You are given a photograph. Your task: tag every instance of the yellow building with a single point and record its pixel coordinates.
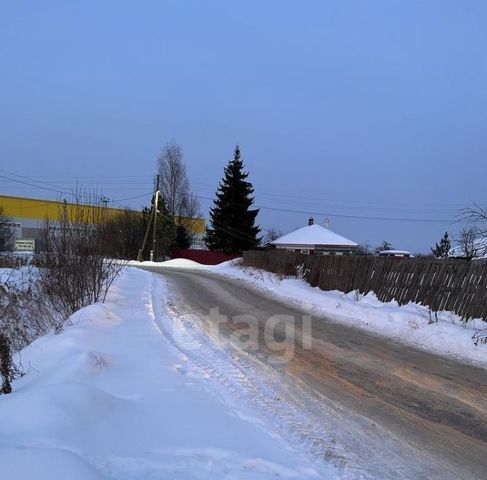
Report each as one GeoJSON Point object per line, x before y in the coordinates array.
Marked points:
{"type": "Point", "coordinates": [30, 214]}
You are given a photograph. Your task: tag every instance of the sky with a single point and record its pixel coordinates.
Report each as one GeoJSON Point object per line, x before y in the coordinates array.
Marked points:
{"type": "Point", "coordinates": [371, 114]}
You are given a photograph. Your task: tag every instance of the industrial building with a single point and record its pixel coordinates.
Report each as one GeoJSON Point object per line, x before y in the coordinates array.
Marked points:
{"type": "Point", "coordinates": [29, 215]}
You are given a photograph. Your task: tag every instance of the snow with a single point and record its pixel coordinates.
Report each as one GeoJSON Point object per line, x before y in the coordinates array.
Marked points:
{"type": "Point", "coordinates": [134, 390]}
{"type": "Point", "coordinates": [116, 395]}
{"type": "Point", "coordinates": [399, 253]}
{"type": "Point", "coordinates": [21, 277]}
{"type": "Point", "coordinates": [45, 463]}
{"type": "Point", "coordinates": [478, 247]}
{"type": "Point", "coordinates": [174, 263]}
{"type": "Point", "coordinates": [314, 235]}
{"type": "Point", "coordinates": [413, 324]}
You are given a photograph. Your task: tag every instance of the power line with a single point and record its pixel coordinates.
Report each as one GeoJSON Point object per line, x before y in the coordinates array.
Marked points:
{"type": "Point", "coordinates": [28, 178]}
{"type": "Point", "coordinates": [322, 199]}
{"type": "Point", "coordinates": [140, 180]}
{"type": "Point", "coordinates": [239, 234]}
{"type": "Point", "coordinates": [132, 198]}
{"type": "Point", "coordinates": [339, 215]}
{"type": "Point", "coordinates": [381, 211]}
{"type": "Point", "coordinates": [34, 185]}
{"type": "Point", "coordinates": [363, 217]}
{"type": "Point", "coordinates": [260, 206]}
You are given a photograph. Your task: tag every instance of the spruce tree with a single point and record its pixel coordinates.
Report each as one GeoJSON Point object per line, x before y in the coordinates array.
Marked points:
{"type": "Point", "coordinates": [183, 239]}
{"type": "Point", "coordinates": [232, 220]}
{"type": "Point", "coordinates": [442, 249]}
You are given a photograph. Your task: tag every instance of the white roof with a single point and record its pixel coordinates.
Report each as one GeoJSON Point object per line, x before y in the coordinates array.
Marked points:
{"type": "Point", "coordinates": [314, 235]}
{"type": "Point", "coordinates": [394, 252]}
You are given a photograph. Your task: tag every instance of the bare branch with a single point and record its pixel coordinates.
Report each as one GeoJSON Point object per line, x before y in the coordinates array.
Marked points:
{"type": "Point", "coordinates": [174, 184]}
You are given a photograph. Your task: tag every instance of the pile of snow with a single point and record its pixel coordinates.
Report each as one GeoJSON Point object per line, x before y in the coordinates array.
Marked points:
{"type": "Point", "coordinates": [20, 277]}
{"type": "Point", "coordinates": [113, 397]}
{"type": "Point", "coordinates": [444, 333]}
{"type": "Point", "coordinates": [174, 263]}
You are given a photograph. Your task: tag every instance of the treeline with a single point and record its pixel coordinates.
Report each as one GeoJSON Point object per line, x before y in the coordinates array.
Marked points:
{"type": "Point", "coordinates": [232, 227]}
{"type": "Point", "coordinates": [122, 235]}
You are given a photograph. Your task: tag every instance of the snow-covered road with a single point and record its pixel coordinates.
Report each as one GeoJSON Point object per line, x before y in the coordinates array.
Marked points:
{"type": "Point", "coordinates": [370, 405]}
{"type": "Point", "coordinates": [140, 387]}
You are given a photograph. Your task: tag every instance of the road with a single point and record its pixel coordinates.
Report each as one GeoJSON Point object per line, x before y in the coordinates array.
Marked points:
{"type": "Point", "coordinates": [395, 412]}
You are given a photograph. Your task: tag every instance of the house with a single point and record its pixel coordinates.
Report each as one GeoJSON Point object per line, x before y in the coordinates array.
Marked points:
{"type": "Point", "coordinates": [315, 239]}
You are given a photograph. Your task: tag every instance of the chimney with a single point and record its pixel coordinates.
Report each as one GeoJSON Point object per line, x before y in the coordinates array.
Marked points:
{"type": "Point", "coordinates": [327, 223]}
{"type": "Point", "coordinates": [311, 221]}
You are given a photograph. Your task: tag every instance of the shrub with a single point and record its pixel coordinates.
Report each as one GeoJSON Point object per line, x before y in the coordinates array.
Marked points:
{"type": "Point", "coordinates": [9, 260]}
{"type": "Point", "coordinates": [24, 313]}
{"type": "Point", "coordinates": [6, 365]}
{"type": "Point", "coordinates": [74, 271]}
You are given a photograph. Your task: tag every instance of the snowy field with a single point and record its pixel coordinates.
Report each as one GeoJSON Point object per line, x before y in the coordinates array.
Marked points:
{"type": "Point", "coordinates": [114, 396]}
{"type": "Point", "coordinates": [413, 324]}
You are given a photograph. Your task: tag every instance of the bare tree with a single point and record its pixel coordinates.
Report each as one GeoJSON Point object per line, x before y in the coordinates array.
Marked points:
{"type": "Point", "coordinates": [363, 249]}
{"type": "Point", "coordinates": [271, 234]}
{"type": "Point", "coordinates": [189, 215]}
{"type": "Point", "coordinates": [174, 184]}
{"type": "Point", "coordinates": [181, 203]}
{"type": "Point", "coordinates": [384, 245]}
{"type": "Point", "coordinates": [476, 215]}
{"type": "Point", "coordinates": [191, 205]}
{"type": "Point", "coordinates": [471, 242]}
{"type": "Point", "coordinates": [125, 232]}
{"type": "Point", "coordinates": [74, 270]}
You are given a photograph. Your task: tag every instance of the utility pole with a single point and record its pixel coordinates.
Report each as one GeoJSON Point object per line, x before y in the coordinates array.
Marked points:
{"type": "Point", "coordinates": [153, 252]}
{"type": "Point", "coordinates": [152, 218]}
{"type": "Point", "coordinates": [104, 202]}
{"type": "Point", "coordinates": [140, 256]}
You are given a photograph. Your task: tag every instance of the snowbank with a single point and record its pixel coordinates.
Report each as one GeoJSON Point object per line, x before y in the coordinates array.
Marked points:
{"type": "Point", "coordinates": [45, 463]}
{"type": "Point", "coordinates": [175, 263]}
{"type": "Point", "coordinates": [20, 277]}
{"type": "Point", "coordinates": [113, 397]}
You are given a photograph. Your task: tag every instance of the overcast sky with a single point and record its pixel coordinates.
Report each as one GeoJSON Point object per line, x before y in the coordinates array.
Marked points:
{"type": "Point", "coordinates": [347, 109]}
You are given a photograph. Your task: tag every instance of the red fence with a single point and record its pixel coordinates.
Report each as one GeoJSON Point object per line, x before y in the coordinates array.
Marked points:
{"type": "Point", "coordinates": [206, 257]}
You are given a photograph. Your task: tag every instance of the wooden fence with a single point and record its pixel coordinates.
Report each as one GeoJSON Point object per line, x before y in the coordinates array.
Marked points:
{"type": "Point", "coordinates": [454, 285]}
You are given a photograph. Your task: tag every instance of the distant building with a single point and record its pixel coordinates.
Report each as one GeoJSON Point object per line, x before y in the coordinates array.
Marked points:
{"type": "Point", "coordinates": [29, 217]}
{"type": "Point", "coordinates": [315, 240]}
{"type": "Point", "coordinates": [394, 253]}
